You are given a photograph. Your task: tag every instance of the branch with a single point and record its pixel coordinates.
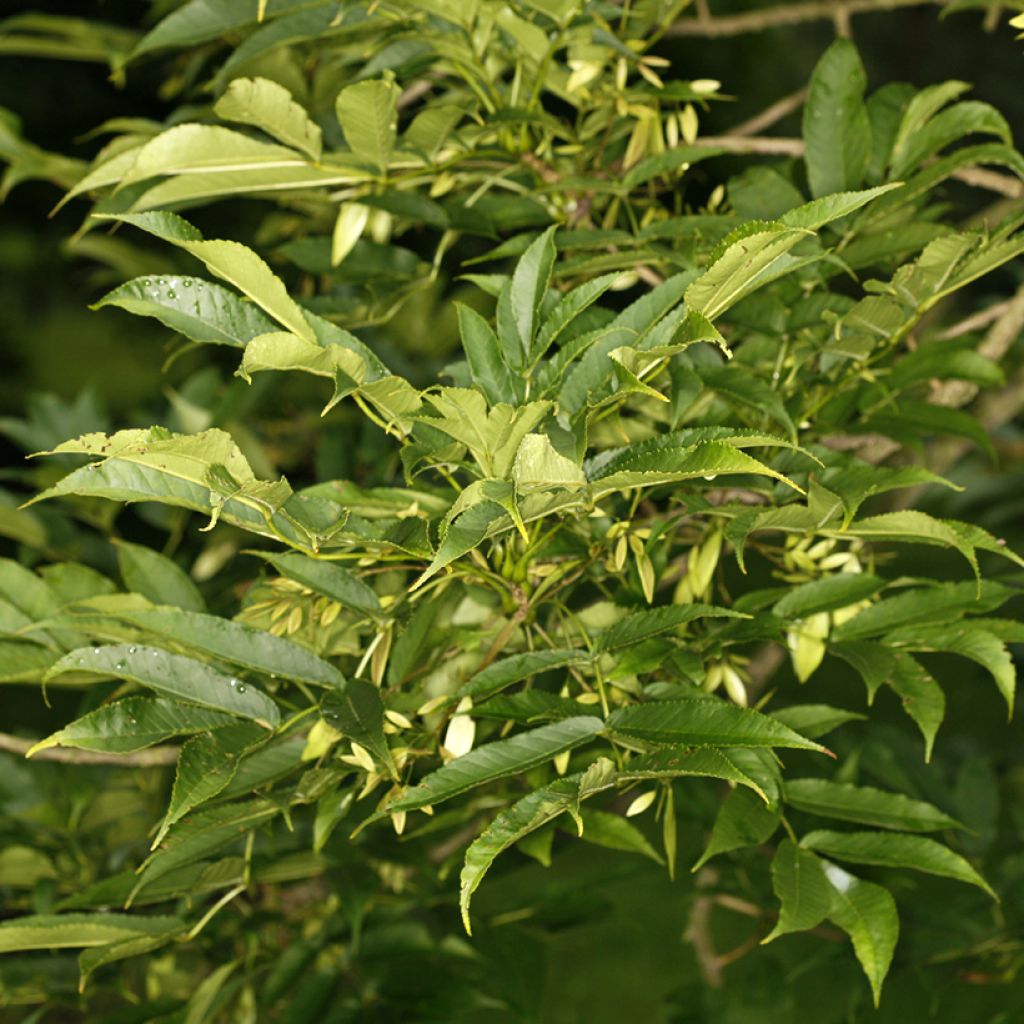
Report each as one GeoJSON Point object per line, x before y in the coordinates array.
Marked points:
{"type": "Point", "coordinates": [771, 114]}
{"type": "Point", "coordinates": [154, 757]}
{"type": "Point", "coordinates": [762, 145]}
{"type": "Point", "coordinates": [788, 14]}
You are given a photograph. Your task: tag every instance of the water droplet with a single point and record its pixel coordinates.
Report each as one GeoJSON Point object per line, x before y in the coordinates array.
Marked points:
{"type": "Point", "coordinates": [132, 650]}
{"type": "Point", "coordinates": [131, 721]}
{"type": "Point", "coordinates": [119, 665]}
{"type": "Point", "coordinates": [232, 683]}
{"type": "Point", "coordinates": [81, 661]}
{"type": "Point", "coordinates": [241, 687]}
{"type": "Point", "coordinates": [171, 294]}
{"type": "Point", "coordinates": [95, 650]}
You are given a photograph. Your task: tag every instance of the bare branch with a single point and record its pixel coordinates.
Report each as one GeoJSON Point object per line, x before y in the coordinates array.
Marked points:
{"type": "Point", "coordinates": [151, 758]}
{"type": "Point", "coordinates": [772, 114]}
{"type": "Point", "coordinates": [789, 14]}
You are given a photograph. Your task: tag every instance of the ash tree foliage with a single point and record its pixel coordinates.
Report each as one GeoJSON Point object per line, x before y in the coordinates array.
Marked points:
{"type": "Point", "coordinates": [687, 437]}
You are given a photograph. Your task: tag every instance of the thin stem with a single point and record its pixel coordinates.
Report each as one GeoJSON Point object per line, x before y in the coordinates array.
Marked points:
{"type": "Point", "coordinates": [151, 758]}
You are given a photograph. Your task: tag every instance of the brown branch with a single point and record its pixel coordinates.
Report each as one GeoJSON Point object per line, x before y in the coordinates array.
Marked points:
{"type": "Point", "coordinates": [788, 14]}
{"type": "Point", "coordinates": [771, 115]}
{"type": "Point", "coordinates": [151, 758]}
{"type": "Point", "coordinates": [760, 145]}
{"type": "Point", "coordinates": [698, 931]}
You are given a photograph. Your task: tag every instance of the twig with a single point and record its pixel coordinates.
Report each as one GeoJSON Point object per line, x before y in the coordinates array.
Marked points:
{"type": "Point", "coordinates": [151, 758]}
{"type": "Point", "coordinates": [788, 14]}
{"type": "Point", "coordinates": [698, 931]}
{"type": "Point", "coordinates": [978, 177]}
{"type": "Point", "coordinates": [771, 115]}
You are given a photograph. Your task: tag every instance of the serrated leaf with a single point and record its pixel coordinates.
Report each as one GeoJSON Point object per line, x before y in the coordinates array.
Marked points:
{"type": "Point", "coordinates": [483, 354]}
{"type": "Point", "coordinates": [867, 913]}
{"type": "Point", "coordinates": [133, 723]}
{"type": "Point", "coordinates": [71, 931]}
{"type": "Point", "coordinates": [530, 813]}
{"type": "Point", "coordinates": [708, 762]}
{"type": "Point", "coordinates": [329, 579]}
{"type": "Point", "coordinates": [270, 107]}
{"type": "Point", "coordinates": [527, 289]}
{"type": "Point", "coordinates": [742, 821]}
{"type": "Point", "coordinates": [206, 765]}
{"type": "Point", "coordinates": [646, 624]}
{"type": "Point", "coordinates": [895, 850]}
{"type": "Point", "coordinates": [496, 760]}
{"type": "Point", "coordinates": [802, 887]}
{"type": "Point", "coordinates": [200, 310]}
{"type": "Point", "coordinates": [202, 834]}
{"type": "Point", "coordinates": [704, 722]}
{"type": "Point", "coordinates": [174, 675]}
{"type": "Point", "coordinates": [155, 576]}
{"type": "Point", "coordinates": [232, 262]}
{"type": "Point", "coordinates": [516, 668]}
{"type": "Point", "coordinates": [836, 129]}
{"type": "Point", "coordinates": [235, 642]}
{"type": "Point", "coordinates": [357, 712]}
{"type": "Point", "coordinates": [826, 595]}
{"type": "Point", "coordinates": [814, 720]}
{"type": "Point", "coordinates": [368, 114]}
{"type": "Point", "coordinates": [614, 832]}
{"type": "Point", "coordinates": [866, 806]}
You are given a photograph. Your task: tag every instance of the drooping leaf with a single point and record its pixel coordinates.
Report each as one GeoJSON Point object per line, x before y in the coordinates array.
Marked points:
{"type": "Point", "coordinates": [867, 913]}
{"type": "Point", "coordinates": [530, 813]}
{"type": "Point", "coordinates": [866, 806]}
{"type": "Point", "coordinates": [643, 625]}
{"type": "Point", "coordinates": [895, 850]}
{"type": "Point", "coordinates": [76, 931]}
{"type": "Point", "coordinates": [329, 579]}
{"type": "Point", "coordinates": [516, 668]}
{"type": "Point", "coordinates": [743, 820]}
{"type": "Point", "coordinates": [802, 887]}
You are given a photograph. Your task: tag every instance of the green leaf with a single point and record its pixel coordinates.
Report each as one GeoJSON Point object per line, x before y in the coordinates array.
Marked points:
{"type": "Point", "coordinates": [802, 887]}
{"type": "Point", "coordinates": [707, 762]}
{"type": "Point", "coordinates": [895, 850]}
{"type": "Point", "coordinates": [368, 114]}
{"type": "Point", "coordinates": [967, 640]}
{"type": "Point", "coordinates": [235, 642]}
{"type": "Point", "coordinates": [528, 287]}
{"type": "Point", "coordinates": [912, 527]}
{"type": "Point", "coordinates": [206, 765]}
{"type": "Point", "coordinates": [826, 595]}
{"type": "Point", "coordinates": [329, 579]}
{"type": "Point", "coordinates": [205, 472]}
{"type": "Point", "coordinates": [496, 760]}
{"type": "Point", "coordinates": [133, 723]}
{"type": "Point", "coordinates": [814, 720]}
{"type": "Point", "coordinates": [155, 576]}
{"type": "Point", "coordinates": [867, 913]}
{"type": "Point", "coordinates": [655, 621]}
{"type": "Point", "coordinates": [836, 128]}
{"type": "Point", "coordinates": [663, 466]}
{"type": "Point", "coordinates": [866, 806]}
{"type": "Point", "coordinates": [483, 354]}
{"type": "Point", "coordinates": [174, 675]}
{"type": "Point", "coordinates": [538, 467]}
{"type": "Point", "coordinates": [70, 931]}
{"type": "Point", "coordinates": [704, 722]}
{"type": "Point", "coordinates": [201, 148]}
{"type": "Point", "coordinates": [819, 212]}
{"type": "Point", "coordinates": [912, 149]}
{"type": "Point", "coordinates": [742, 268]}
{"type": "Point", "coordinates": [357, 712]}
{"type": "Point", "coordinates": [21, 661]}
{"type": "Point", "coordinates": [921, 698]}
{"type": "Point", "coordinates": [742, 821]}
{"type": "Point", "coordinates": [614, 832]}
{"type": "Point", "coordinates": [230, 261]}
{"type": "Point", "coordinates": [94, 957]}
{"type": "Point", "coordinates": [565, 312]}
{"type": "Point", "coordinates": [200, 310]}
{"type": "Point", "coordinates": [270, 107]}
{"type": "Point", "coordinates": [516, 669]}
{"type": "Point", "coordinates": [202, 834]}
{"type": "Point", "coordinates": [530, 813]}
